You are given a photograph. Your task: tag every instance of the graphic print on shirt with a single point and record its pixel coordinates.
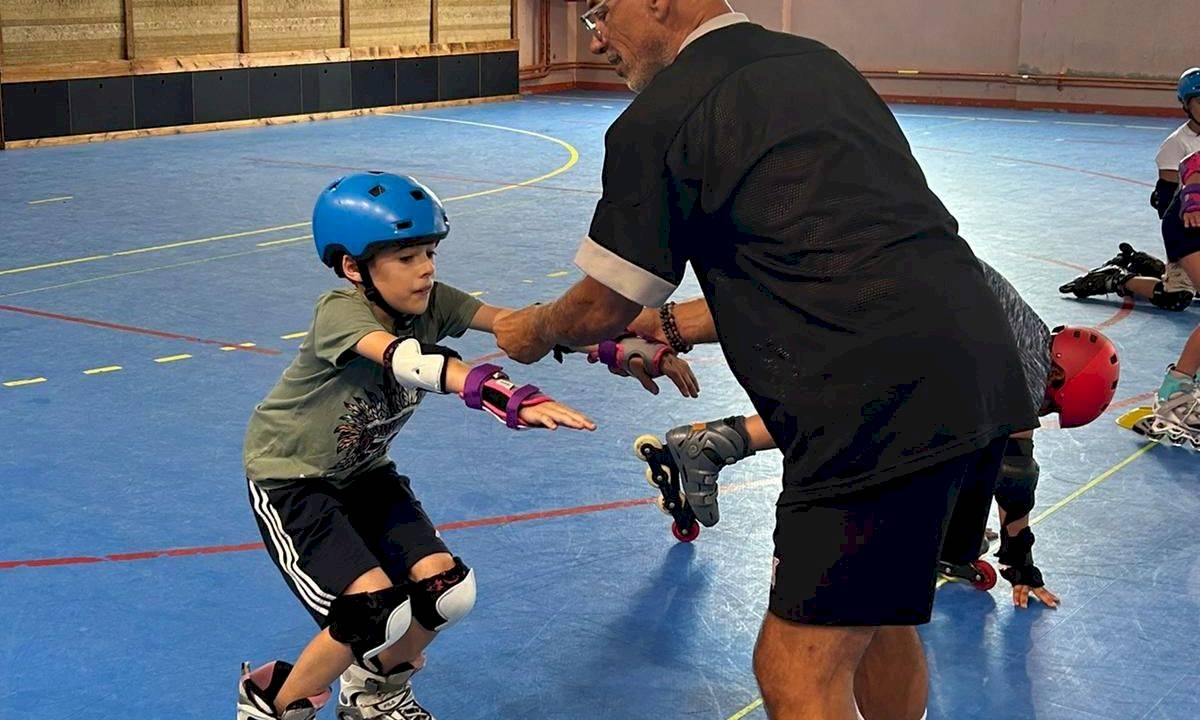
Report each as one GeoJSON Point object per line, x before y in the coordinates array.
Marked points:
{"type": "Point", "coordinates": [368, 427]}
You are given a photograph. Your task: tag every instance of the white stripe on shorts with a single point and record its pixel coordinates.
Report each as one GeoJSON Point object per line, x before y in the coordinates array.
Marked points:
{"type": "Point", "coordinates": [285, 550]}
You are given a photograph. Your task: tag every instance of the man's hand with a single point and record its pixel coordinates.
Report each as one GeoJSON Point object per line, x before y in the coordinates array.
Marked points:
{"type": "Point", "coordinates": [517, 334]}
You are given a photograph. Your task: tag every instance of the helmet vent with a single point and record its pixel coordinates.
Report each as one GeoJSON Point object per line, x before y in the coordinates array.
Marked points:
{"type": "Point", "coordinates": [418, 195]}
{"type": "Point", "coordinates": [404, 224]}
{"type": "Point", "coordinates": [377, 191]}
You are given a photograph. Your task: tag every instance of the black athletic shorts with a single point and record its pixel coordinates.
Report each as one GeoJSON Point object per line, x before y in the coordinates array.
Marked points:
{"type": "Point", "coordinates": [869, 557]}
{"type": "Point", "coordinates": [1178, 241]}
{"type": "Point", "coordinates": [322, 537]}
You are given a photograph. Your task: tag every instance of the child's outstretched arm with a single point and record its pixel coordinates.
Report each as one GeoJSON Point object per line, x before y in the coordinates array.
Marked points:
{"type": "Point", "coordinates": [438, 369]}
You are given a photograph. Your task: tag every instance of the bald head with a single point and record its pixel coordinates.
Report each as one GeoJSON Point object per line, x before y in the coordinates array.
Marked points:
{"type": "Point", "coordinates": [641, 37]}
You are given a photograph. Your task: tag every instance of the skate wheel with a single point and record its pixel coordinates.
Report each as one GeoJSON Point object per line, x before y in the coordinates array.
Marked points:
{"type": "Point", "coordinates": [987, 575]}
{"type": "Point", "coordinates": [644, 446]}
{"type": "Point", "coordinates": [650, 478]}
{"type": "Point", "coordinates": [662, 505]}
{"type": "Point", "coordinates": [687, 536]}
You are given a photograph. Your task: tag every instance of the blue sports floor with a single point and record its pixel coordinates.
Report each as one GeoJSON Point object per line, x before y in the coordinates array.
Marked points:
{"type": "Point", "coordinates": [152, 290]}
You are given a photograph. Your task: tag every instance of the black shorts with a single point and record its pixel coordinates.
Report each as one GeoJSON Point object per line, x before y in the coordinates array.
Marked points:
{"type": "Point", "coordinates": [322, 537]}
{"type": "Point", "coordinates": [869, 557]}
{"type": "Point", "coordinates": [1178, 241]}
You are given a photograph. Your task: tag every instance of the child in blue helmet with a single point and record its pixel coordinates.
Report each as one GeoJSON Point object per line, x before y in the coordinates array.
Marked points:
{"type": "Point", "coordinates": [1165, 285]}
{"type": "Point", "coordinates": [343, 527]}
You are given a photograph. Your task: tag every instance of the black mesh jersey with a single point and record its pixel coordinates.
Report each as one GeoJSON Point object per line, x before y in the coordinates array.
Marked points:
{"type": "Point", "coordinates": [847, 306]}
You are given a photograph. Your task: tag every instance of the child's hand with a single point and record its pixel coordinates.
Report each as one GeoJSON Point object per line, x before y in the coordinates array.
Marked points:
{"type": "Point", "coordinates": [1192, 219]}
{"type": "Point", "coordinates": [1021, 596]}
{"type": "Point", "coordinates": [673, 367]}
{"type": "Point", "coordinates": [552, 414]}
{"type": "Point", "coordinates": [645, 358]}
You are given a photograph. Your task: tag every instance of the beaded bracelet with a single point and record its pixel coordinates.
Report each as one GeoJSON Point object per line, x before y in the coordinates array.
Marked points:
{"type": "Point", "coordinates": [666, 316]}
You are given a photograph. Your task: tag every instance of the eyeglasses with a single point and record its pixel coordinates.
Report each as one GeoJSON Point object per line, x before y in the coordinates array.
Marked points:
{"type": "Point", "coordinates": [594, 16]}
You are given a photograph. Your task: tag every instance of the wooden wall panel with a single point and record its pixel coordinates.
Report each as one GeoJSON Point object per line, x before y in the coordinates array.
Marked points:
{"type": "Point", "coordinates": [472, 20]}
{"type": "Point", "coordinates": [385, 23]}
{"type": "Point", "coordinates": [169, 28]}
{"type": "Point", "coordinates": [295, 24]}
{"type": "Point", "coordinates": [61, 31]}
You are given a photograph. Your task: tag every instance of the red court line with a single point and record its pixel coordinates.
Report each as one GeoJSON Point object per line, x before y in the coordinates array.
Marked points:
{"type": "Point", "coordinates": [135, 330]}
{"type": "Point", "coordinates": [1131, 401]}
{"type": "Point", "coordinates": [1118, 316]}
{"type": "Point", "coordinates": [457, 525]}
{"type": "Point", "coordinates": [944, 150]}
{"type": "Point", "coordinates": [1054, 261]}
{"type": "Point", "coordinates": [1068, 168]}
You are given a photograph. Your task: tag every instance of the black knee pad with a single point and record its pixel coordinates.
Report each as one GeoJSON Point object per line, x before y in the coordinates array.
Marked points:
{"type": "Point", "coordinates": [1018, 479]}
{"type": "Point", "coordinates": [1177, 301]}
{"type": "Point", "coordinates": [370, 622]}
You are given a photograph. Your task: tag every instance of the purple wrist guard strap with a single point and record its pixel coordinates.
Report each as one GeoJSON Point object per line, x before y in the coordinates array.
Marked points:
{"type": "Point", "coordinates": [473, 386]}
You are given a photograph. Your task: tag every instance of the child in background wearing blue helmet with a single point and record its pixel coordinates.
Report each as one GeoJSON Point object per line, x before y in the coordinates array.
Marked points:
{"type": "Point", "coordinates": [1165, 285]}
{"type": "Point", "coordinates": [343, 527]}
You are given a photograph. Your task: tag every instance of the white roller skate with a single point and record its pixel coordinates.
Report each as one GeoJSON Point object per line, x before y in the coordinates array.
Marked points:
{"type": "Point", "coordinates": [366, 695]}
{"type": "Point", "coordinates": [257, 691]}
{"type": "Point", "coordinates": [1176, 417]}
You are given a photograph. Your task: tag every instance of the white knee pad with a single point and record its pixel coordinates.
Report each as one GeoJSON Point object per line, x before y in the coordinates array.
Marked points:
{"type": "Point", "coordinates": [442, 600]}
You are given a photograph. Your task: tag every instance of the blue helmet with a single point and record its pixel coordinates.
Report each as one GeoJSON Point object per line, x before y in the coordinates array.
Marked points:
{"type": "Point", "coordinates": [1189, 85]}
{"type": "Point", "coordinates": [360, 211]}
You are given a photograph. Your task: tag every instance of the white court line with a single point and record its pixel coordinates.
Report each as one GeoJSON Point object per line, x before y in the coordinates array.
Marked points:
{"type": "Point", "coordinates": [1085, 124]}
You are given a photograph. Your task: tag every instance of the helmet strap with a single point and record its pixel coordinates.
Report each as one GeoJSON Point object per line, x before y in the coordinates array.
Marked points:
{"type": "Point", "coordinates": [1195, 122]}
{"type": "Point", "coordinates": [403, 320]}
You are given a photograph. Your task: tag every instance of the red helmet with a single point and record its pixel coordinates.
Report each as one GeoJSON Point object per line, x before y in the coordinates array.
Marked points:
{"type": "Point", "coordinates": [1090, 371]}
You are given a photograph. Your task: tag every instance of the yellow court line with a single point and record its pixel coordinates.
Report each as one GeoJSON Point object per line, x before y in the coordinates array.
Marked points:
{"type": "Point", "coordinates": [293, 336]}
{"type": "Point", "coordinates": [559, 273]}
{"type": "Point", "coordinates": [477, 293]}
{"type": "Point", "coordinates": [746, 710]}
{"type": "Point", "coordinates": [284, 241]}
{"type": "Point", "coordinates": [1042, 516]}
{"type": "Point", "coordinates": [570, 163]}
{"type": "Point", "coordinates": [59, 263]}
{"type": "Point", "coordinates": [183, 243]}
{"type": "Point", "coordinates": [101, 370]}
{"type": "Point", "coordinates": [172, 358]}
{"type": "Point", "coordinates": [27, 381]}
{"type": "Point", "coordinates": [230, 348]}
{"type": "Point", "coordinates": [1093, 483]}
{"type": "Point", "coordinates": [132, 272]}
{"type": "Point", "coordinates": [50, 200]}
{"type": "Point", "coordinates": [152, 248]}
{"type": "Point", "coordinates": [573, 158]}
